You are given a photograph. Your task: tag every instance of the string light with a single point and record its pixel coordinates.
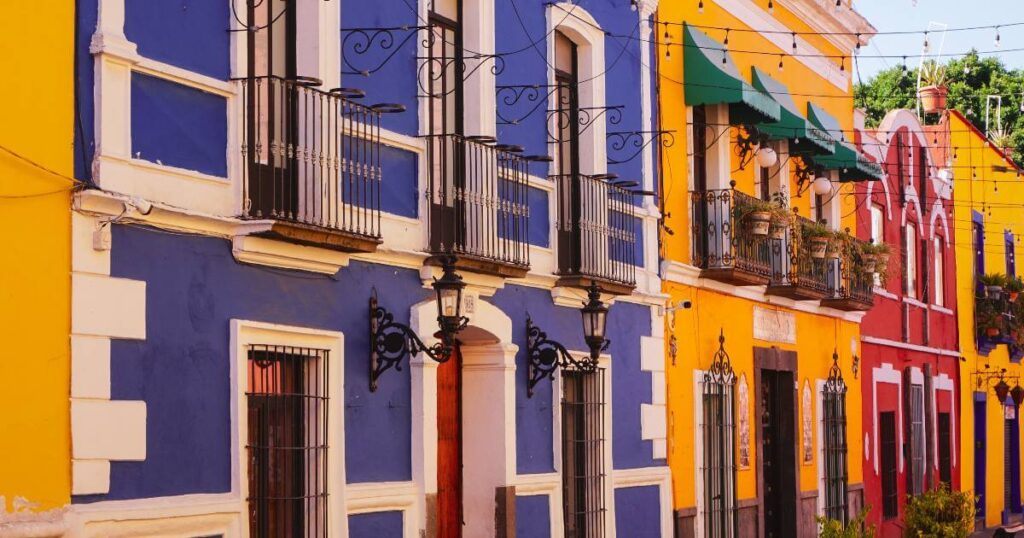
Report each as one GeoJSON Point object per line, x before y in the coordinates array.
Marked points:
{"type": "Point", "coordinates": [700, 6]}
{"type": "Point", "coordinates": [925, 48]}
{"type": "Point", "coordinates": [726, 41]}
{"type": "Point", "coordinates": [780, 63]}
{"type": "Point", "coordinates": [842, 63]}
{"type": "Point", "coordinates": [771, 7]}
{"type": "Point", "coordinates": [857, 45]}
{"type": "Point", "coordinates": [794, 42]}
{"type": "Point", "coordinates": [839, 4]}
{"type": "Point", "coordinates": [997, 37]}
{"type": "Point", "coordinates": [634, 5]}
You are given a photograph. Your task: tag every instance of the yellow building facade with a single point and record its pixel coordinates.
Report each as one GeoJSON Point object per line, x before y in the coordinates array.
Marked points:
{"type": "Point", "coordinates": [989, 223]}
{"type": "Point", "coordinates": [784, 334]}
{"type": "Point", "coordinates": [36, 143]}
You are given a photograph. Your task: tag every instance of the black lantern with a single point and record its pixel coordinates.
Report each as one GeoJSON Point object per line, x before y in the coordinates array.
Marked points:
{"type": "Point", "coordinates": [1018, 395]}
{"type": "Point", "coordinates": [1001, 389]}
{"type": "Point", "coordinates": [391, 341]}
{"type": "Point", "coordinates": [595, 320]}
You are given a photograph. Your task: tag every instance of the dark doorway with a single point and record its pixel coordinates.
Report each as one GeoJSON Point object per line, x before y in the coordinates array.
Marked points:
{"type": "Point", "coordinates": [778, 440]}
{"type": "Point", "coordinates": [979, 455]}
{"type": "Point", "coordinates": [1011, 457]}
{"type": "Point", "coordinates": [449, 446]}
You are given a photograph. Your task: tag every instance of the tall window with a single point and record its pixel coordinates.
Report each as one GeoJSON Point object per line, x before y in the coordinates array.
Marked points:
{"type": "Point", "coordinates": [834, 445]}
{"type": "Point", "coordinates": [887, 449]}
{"type": "Point", "coordinates": [910, 257]}
{"type": "Point", "coordinates": [917, 440]}
{"type": "Point", "coordinates": [945, 449]}
{"type": "Point", "coordinates": [567, 152]}
{"type": "Point", "coordinates": [819, 208]}
{"type": "Point", "coordinates": [939, 270]}
{"type": "Point", "coordinates": [877, 232]}
{"type": "Point", "coordinates": [287, 441]}
{"type": "Point", "coordinates": [978, 244]}
{"type": "Point", "coordinates": [1010, 253]}
{"type": "Point", "coordinates": [719, 440]}
{"type": "Point", "coordinates": [583, 403]}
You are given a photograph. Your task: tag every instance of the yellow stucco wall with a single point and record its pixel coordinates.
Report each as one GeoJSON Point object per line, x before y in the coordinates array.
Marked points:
{"type": "Point", "coordinates": [36, 120]}
{"type": "Point", "coordinates": [696, 330]}
{"type": "Point", "coordinates": [998, 196]}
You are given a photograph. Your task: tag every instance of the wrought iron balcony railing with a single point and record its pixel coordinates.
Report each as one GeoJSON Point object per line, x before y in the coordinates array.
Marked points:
{"type": "Point", "coordinates": [478, 204]}
{"type": "Point", "coordinates": [596, 233]}
{"type": "Point", "coordinates": [851, 288]}
{"type": "Point", "coordinates": [311, 163]}
{"type": "Point", "coordinates": [720, 249]}
{"type": "Point", "coordinates": [799, 275]}
{"type": "Point", "coordinates": [998, 320]}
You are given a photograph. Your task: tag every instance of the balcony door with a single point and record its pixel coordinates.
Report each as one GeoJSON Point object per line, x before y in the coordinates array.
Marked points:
{"type": "Point", "coordinates": [272, 109]}
{"type": "Point", "coordinates": [444, 72]}
{"type": "Point", "coordinates": [567, 153]}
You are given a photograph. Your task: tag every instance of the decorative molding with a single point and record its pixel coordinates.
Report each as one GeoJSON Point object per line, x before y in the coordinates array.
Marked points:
{"type": "Point", "coordinates": [262, 251]}
{"type": "Point", "coordinates": [404, 497]}
{"type": "Point", "coordinates": [911, 347]}
{"type": "Point", "coordinates": [650, 476]}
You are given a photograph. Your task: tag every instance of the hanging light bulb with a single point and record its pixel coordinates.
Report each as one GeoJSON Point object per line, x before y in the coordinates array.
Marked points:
{"type": "Point", "coordinates": [766, 157]}
{"type": "Point", "coordinates": [839, 4]}
{"type": "Point", "coordinates": [794, 42]}
{"type": "Point", "coordinates": [925, 48]}
{"type": "Point", "coordinates": [771, 7]}
{"type": "Point", "coordinates": [780, 63]}
{"type": "Point", "coordinates": [726, 42]}
{"type": "Point", "coordinates": [967, 69]}
{"type": "Point", "coordinates": [842, 63]}
{"type": "Point", "coordinates": [700, 6]}
{"type": "Point", "coordinates": [822, 186]}
{"type": "Point", "coordinates": [997, 38]}
{"type": "Point", "coordinates": [633, 4]}
{"type": "Point", "coordinates": [724, 57]}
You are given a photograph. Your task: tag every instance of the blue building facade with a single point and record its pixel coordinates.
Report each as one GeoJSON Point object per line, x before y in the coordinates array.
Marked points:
{"type": "Point", "coordinates": [260, 169]}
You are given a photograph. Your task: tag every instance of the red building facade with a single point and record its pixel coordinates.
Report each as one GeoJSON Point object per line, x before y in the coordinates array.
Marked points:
{"type": "Point", "coordinates": [909, 345]}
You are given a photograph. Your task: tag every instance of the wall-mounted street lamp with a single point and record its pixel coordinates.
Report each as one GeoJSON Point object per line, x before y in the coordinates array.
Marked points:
{"type": "Point", "coordinates": [1001, 387]}
{"type": "Point", "coordinates": [544, 355]}
{"type": "Point", "coordinates": [391, 341]}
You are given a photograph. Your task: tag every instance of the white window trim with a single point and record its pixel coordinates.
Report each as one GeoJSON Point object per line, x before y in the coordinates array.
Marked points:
{"type": "Point", "coordinates": [244, 333]}
{"type": "Point", "coordinates": [910, 278]}
{"type": "Point", "coordinates": [938, 272]}
{"type": "Point", "coordinates": [886, 374]}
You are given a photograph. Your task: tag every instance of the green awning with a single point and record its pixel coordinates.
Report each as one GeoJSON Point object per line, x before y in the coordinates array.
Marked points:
{"type": "Point", "coordinates": [852, 165]}
{"type": "Point", "coordinates": [711, 78]}
{"type": "Point", "coordinates": [805, 138]}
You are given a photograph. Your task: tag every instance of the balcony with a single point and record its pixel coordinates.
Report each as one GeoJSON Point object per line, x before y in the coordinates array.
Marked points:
{"type": "Point", "coordinates": [720, 250]}
{"type": "Point", "coordinates": [311, 164]}
{"type": "Point", "coordinates": [478, 204]}
{"type": "Point", "coordinates": [596, 233]}
{"type": "Point", "coordinates": [798, 275]}
{"type": "Point", "coordinates": [852, 289]}
{"type": "Point", "coordinates": [998, 320]}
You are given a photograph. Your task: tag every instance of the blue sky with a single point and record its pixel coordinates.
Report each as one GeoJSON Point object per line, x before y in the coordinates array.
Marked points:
{"type": "Point", "coordinates": [898, 15]}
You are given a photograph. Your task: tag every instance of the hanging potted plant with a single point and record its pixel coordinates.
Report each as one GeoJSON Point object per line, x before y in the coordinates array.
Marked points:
{"type": "Point", "coordinates": [782, 218]}
{"type": "Point", "coordinates": [817, 236]}
{"type": "Point", "coordinates": [1013, 288]}
{"type": "Point", "coordinates": [993, 284]}
{"type": "Point", "coordinates": [932, 92]}
{"type": "Point", "coordinates": [874, 255]}
{"type": "Point", "coordinates": [989, 319]}
{"type": "Point", "coordinates": [836, 245]}
{"type": "Point", "coordinates": [755, 215]}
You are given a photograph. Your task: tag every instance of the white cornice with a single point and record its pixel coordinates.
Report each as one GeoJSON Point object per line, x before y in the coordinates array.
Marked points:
{"type": "Point", "coordinates": [822, 16]}
{"type": "Point", "coordinates": [911, 347]}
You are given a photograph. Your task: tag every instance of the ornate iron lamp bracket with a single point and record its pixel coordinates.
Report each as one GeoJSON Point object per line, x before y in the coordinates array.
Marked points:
{"type": "Point", "coordinates": [835, 383]}
{"type": "Point", "coordinates": [544, 356]}
{"type": "Point", "coordinates": [391, 341]}
{"type": "Point", "coordinates": [624, 146]}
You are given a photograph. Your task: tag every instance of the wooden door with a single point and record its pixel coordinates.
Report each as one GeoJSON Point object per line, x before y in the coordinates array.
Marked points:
{"type": "Point", "coordinates": [979, 455]}
{"type": "Point", "coordinates": [449, 447]}
{"type": "Point", "coordinates": [778, 429]}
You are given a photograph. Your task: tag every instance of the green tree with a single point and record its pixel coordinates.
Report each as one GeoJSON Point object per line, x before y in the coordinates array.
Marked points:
{"type": "Point", "coordinates": [969, 79]}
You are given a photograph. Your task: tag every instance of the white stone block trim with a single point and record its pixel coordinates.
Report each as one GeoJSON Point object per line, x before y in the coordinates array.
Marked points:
{"type": "Point", "coordinates": [90, 477]}
{"type": "Point", "coordinates": [650, 476]}
{"type": "Point", "coordinates": [653, 416]}
{"type": "Point", "coordinates": [550, 486]}
{"type": "Point", "coordinates": [402, 497]}
{"type": "Point", "coordinates": [106, 306]}
{"type": "Point", "coordinates": [90, 367]}
{"type": "Point", "coordinates": [108, 429]}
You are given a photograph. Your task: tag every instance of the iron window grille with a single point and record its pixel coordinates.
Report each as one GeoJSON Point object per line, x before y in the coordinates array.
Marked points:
{"type": "Point", "coordinates": [719, 443]}
{"type": "Point", "coordinates": [917, 439]}
{"type": "Point", "coordinates": [887, 438]}
{"type": "Point", "coordinates": [583, 440]}
{"type": "Point", "coordinates": [945, 449]}
{"type": "Point", "coordinates": [287, 445]}
{"type": "Point", "coordinates": [833, 397]}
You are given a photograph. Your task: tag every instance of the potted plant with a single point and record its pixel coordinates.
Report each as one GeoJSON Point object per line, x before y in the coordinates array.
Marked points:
{"type": "Point", "coordinates": [1002, 140]}
{"type": "Point", "coordinates": [933, 87]}
{"type": "Point", "coordinates": [782, 218]}
{"type": "Point", "coordinates": [940, 513]}
{"type": "Point", "coordinates": [817, 236]}
{"type": "Point", "coordinates": [993, 284]}
{"type": "Point", "coordinates": [755, 214]}
{"type": "Point", "coordinates": [874, 259]}
{"type": "Point", "coordinates": [855, 528]}
{"type": "Point", "coordinates": [989, 319]}
{"type": "Point", "coordinates": [837, 244]}
{"type": "Point", "coordinates": [1013, 287]}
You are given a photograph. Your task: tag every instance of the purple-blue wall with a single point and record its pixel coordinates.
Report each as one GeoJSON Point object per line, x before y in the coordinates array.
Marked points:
{"type": "Point", "coordinates": [375, 525]}
{"type": "Point", "coordinates": [533, 516]}
{"type": "Point", "coordinates": [192, 34]}
{"type": "Point", "coordinates": [638, 512]}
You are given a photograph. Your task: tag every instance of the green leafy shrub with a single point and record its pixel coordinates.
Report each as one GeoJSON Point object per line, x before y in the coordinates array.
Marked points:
{"type": "Point", "coordinates": [940, 513]}
{"type": "Point", "coordinates": [856, 528]}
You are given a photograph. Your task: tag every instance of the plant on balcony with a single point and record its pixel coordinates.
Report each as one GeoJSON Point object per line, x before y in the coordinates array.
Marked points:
{"type": "Point", "coordinates": [1013, 287]}
{"type": "Point", "coordinates": [989, 318]}
{"type": "Point", "coordinates": [839, 245]}
{"type": "Point", "coordinates": [754, 214]}
{"type": "Point", "coordinates": [874, 260]}
{"type": "Point", "coordinates": [816, 238]}
{"type": "Point", "coordinates": [993, 284]}
{"type": "Point", "coordinates": [1002, 140]}
{"type": "Point", "coordinates": [782, 217]}
{"type": "Point", "coordinates": [933, 87]}
{"type": "Point", "coordinates": [940, 513]}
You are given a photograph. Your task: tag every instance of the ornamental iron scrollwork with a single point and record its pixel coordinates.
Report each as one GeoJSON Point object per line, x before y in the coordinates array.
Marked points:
{"type": "Point", "coordinates": [834, 383]}
{"type": "Point", "coordinates": [586, 117]}
{"type": "Point", "coordinates": [433, 68]}
{"type": "Point", "coordinates": [391, 341]}
{"type": "Point", "coordinates": [360, 42]}
{"type": "Point", "coordinates": [720, 372]}
{"type": "Point", "coordinates": [627, 145]}
{"type": "Point", "coordinates": [513, 97]}
{"type": "Point", "coordinates": [544, 356]}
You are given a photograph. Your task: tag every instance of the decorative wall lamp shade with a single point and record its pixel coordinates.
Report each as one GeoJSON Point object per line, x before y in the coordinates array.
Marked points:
{"type": "Point", "coordinates": [804, 137]}
{"type": "Point", "coordinates": [711, 78]}
{"type": "Point", "coordinates": [1017, 393]}
{"type": "Point", "coordinates": [545, 355]}
{"type": "Point", "coordinates": [852, 165]}
{"type": "Point", "coordinates": [392, 341]}
{"type": "Point", "coordinates": [1001, 389]}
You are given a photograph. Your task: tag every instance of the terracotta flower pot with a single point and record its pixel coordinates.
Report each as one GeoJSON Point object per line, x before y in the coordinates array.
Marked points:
{"type": "Point", "coordinates": [933, 98]}
{"type": "Point", "coordinates": [870, 263]}
{"type": "Point", "coordinates": [992, 332]}
{"type": "Point", "coordinates": [1013, 296]}
{"type": "Point", "coordinates": [758, 223]}
{"type": "Point", "coordinates": [778, 229]}
{"type": "Point", "coordinates": [993, 292]}
{"type": "Point", "coordinates": [818, 246]}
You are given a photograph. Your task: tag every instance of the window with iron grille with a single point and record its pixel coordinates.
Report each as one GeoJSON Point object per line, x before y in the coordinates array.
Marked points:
{"type": "Point", "coordinates": [583, 472]}
{"type": "Point", "coordinates": [833, 397]}
{"type": "Point", "coordinates": [917, 439]}
{"type": "Point", "coordinates": [945, 449]}
{"type": "Point", "coordinates": [719, 440]}
{"type": "Point", "coordinates": [286, 399]}
{"type": "Point", "coordinates": [887, 455]}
